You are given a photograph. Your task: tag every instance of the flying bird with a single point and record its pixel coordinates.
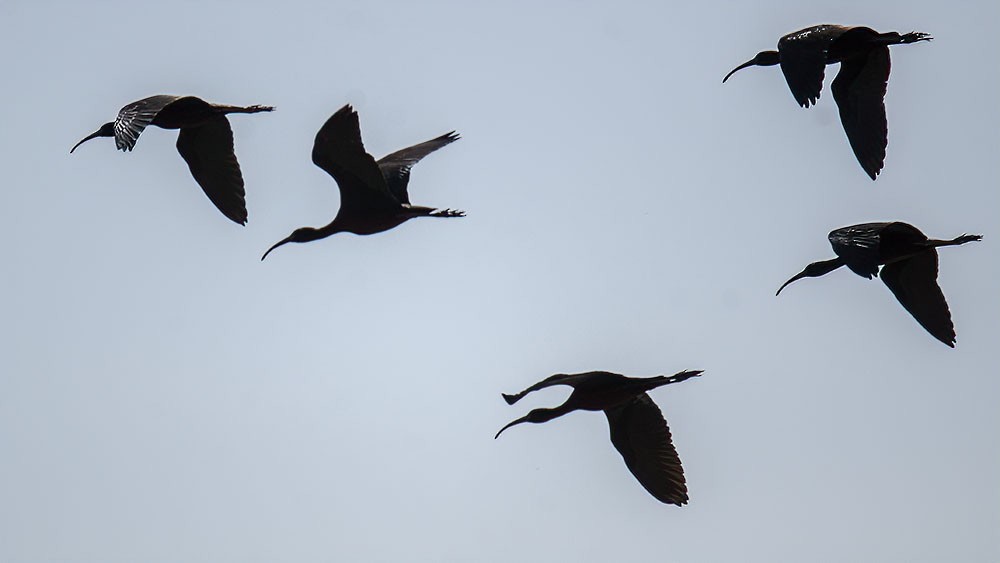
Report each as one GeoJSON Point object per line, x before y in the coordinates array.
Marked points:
{"type": "Point", "coordinates": [373, 194]}
{"type": "Point", "coordinates": [638, 430]}
{"type": "Point", "coordinates": [205, 142]}
{"type": "Point", "coordinates": [909, 268]}
{"type": "Point", "coordinates": [859, 88]}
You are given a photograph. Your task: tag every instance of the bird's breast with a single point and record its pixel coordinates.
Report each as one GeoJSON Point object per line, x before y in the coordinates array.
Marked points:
{"type": "Point", "coordinates": [369, 224]}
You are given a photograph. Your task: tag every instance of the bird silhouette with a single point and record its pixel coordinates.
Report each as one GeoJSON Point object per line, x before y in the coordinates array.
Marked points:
{"type": "Point", "coordinates": [859, 88]}
{"type": "Point", "coordinates": [373, 194]}
{"type": "Point", "coordinates": [909, 268]}
{"type": "Point", "coordinates": [205, 142]}
{"type": "Point", "coordinates": [638, 430]}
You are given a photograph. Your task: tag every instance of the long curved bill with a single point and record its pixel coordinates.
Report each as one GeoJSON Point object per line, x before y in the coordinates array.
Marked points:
{"type": "Point", "coordinates": [797, 276]}
{"type": "Point", "coordinates": [512, 423]}
{"type": "Point", "coordinates": [87, 138]}
{"type": "Point", "coordinates": [751, 62]}
{"type": "Point", "coordinates": [276, 245]}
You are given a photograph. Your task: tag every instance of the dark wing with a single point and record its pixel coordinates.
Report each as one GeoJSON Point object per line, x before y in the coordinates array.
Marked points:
{"type": "Point", "coordinates": [802, 56]}
{"type": "Point", "coordinates": [858, 246]}
{"type": "Point", "coordinates": [641, 435]}
{"type": "Point", "coordinates": [859, 90]}
{"type": "Point", "coordinates": [395, 167]}
{"type": "Point", "coordinates": [133, 118]}
{"type": "Point", "coordinates": [914, 283]}
{"type": "Point", "coordinates": [338, 150]}
{"type": "Point", "coordinates": [208, 151]}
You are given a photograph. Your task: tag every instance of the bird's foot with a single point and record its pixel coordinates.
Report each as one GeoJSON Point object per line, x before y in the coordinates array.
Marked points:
{"type": "Point", "coordinates": [687, 374]}
{"type": "Point", "coordinates": [914, 36]}
{"type": "Point", "coordinates": [968, 238]}
{"type": "Point", "coordinates": [447, 213]}
{"type": "Point", "coordinates": [511, 399]}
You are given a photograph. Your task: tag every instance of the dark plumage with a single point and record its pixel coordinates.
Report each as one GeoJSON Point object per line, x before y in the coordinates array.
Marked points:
{"type": "Point", "coordinates": [205, 142]}
{"type": "Point", "coordinates": [859, 88]}
{"type": "Point", "coordinates": [373, 194]}
{"type": "Point", "coordinates": [909, 268]}
{"type": "Point", "coordinates": [638, 430]}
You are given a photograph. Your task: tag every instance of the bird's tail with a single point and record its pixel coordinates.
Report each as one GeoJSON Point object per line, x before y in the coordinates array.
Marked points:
{"type": "Point", "coordinates": [447, 213]}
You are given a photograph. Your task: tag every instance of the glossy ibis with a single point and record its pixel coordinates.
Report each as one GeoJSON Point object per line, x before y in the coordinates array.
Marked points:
{"type": "Point", "coordinates": [205, 142]}
{"type": "Point", "coordinates": [373, 195]}
{"type": "Point", "coordinates": [859, 88]}
{"type": "Point", "coordinates": [909, 267]}
{"type": "Point", "coordinates": [638, 430]}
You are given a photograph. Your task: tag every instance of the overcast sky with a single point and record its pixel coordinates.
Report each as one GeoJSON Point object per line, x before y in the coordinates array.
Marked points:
{"type": "Point", "coordinates": [165, 396]}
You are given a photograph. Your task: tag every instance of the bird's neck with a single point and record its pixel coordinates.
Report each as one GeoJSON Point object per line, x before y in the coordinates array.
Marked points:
{"type": "Point", "coordinates": [545, 415]}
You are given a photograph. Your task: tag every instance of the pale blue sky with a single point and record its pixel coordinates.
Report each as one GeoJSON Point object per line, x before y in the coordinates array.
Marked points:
{"type": "Point", "coordinates": [165, 396]}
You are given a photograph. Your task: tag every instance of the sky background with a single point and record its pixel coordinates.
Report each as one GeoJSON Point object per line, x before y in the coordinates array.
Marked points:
{"type": "Point", "coordinates": [165, 396]}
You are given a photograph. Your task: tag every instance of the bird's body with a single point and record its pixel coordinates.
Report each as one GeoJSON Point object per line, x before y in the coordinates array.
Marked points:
{"type": "Point", "coordinates": [909, 267]}
{"type": "Point", "coordinates": [373, 194]}
{"type": "Point", "coordinates": [859, 88]}
{"type": "Point", "coordinates": [638, 430]}
{"type": "Point", "coordinates": [205, 142]}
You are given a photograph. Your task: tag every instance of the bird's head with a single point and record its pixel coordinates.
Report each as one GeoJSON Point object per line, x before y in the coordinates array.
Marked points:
{"type": "Point", "coordinates": [305, 234]}
{"type": "Point", "coordinates": [763, 58]}
{"type": "Point", "coordinates": [106, 130]}
{"type": "Point", "coordinates": [814, 270]}
{"type": "Point", "coordinates": [536, 416]}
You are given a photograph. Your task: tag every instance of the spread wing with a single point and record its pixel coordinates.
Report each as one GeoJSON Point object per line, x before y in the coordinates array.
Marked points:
{"type": "Point", "coordinates": [803, 60]}
{"type": "Point", "coordinates": [133, 118]}
{"type": "Point", "coordinates": [641, 435]}
{"type": "Point", "coordinates": [858, 247]}
{"type": "Point", "coordinates": [395, 167]}
{"type": "Point", "coordinates": [859, 90]}
{"type": "Point", "coordinates": [914, 283]}
{"type": "Point", "coordinates": [208, 151]}
{"type": "Point", "coordinates": [339, 151]}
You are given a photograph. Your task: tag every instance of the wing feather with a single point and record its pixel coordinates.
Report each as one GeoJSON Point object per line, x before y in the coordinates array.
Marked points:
{"type": "Point", "coordinates": [859, 91]}
{"type": "Point", "coordinates": [859, 247]}
{"type": "Point", "coordinates": [133, 119]}
{"type": "Point", "coordinates": [339, 151]}
{"type": "Point", "coordinates": [803, 60]}
{"type": "Point", "coordinates": [640, 433]}
{"type": "Point", "coordinates": [208, 151]}
{"type": "Point", "coordinates": [914, 283]}
{"type": "Point", "coordinates": [396, 167]}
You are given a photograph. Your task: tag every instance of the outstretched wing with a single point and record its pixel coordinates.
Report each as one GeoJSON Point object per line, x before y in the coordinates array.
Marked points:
{"type": "Point", "coordinates": [208, 151]}
{"type": "Point", "coordinates": [803, 60]}
{"type": "Point", "coordinates": [133, 118]}
{"type": "Point", "coordinates": [859, 90]}
{"type": "Point", "coordinates": [914, 283]}
{"type": "Point", "coordinates": [858, 247]}
{"type": "Point", "coordinates": [339, 151]}
{"type": "Point", "coordinates": [641, 435]}
{"type": "Point", "coordinates": [395, 167]}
